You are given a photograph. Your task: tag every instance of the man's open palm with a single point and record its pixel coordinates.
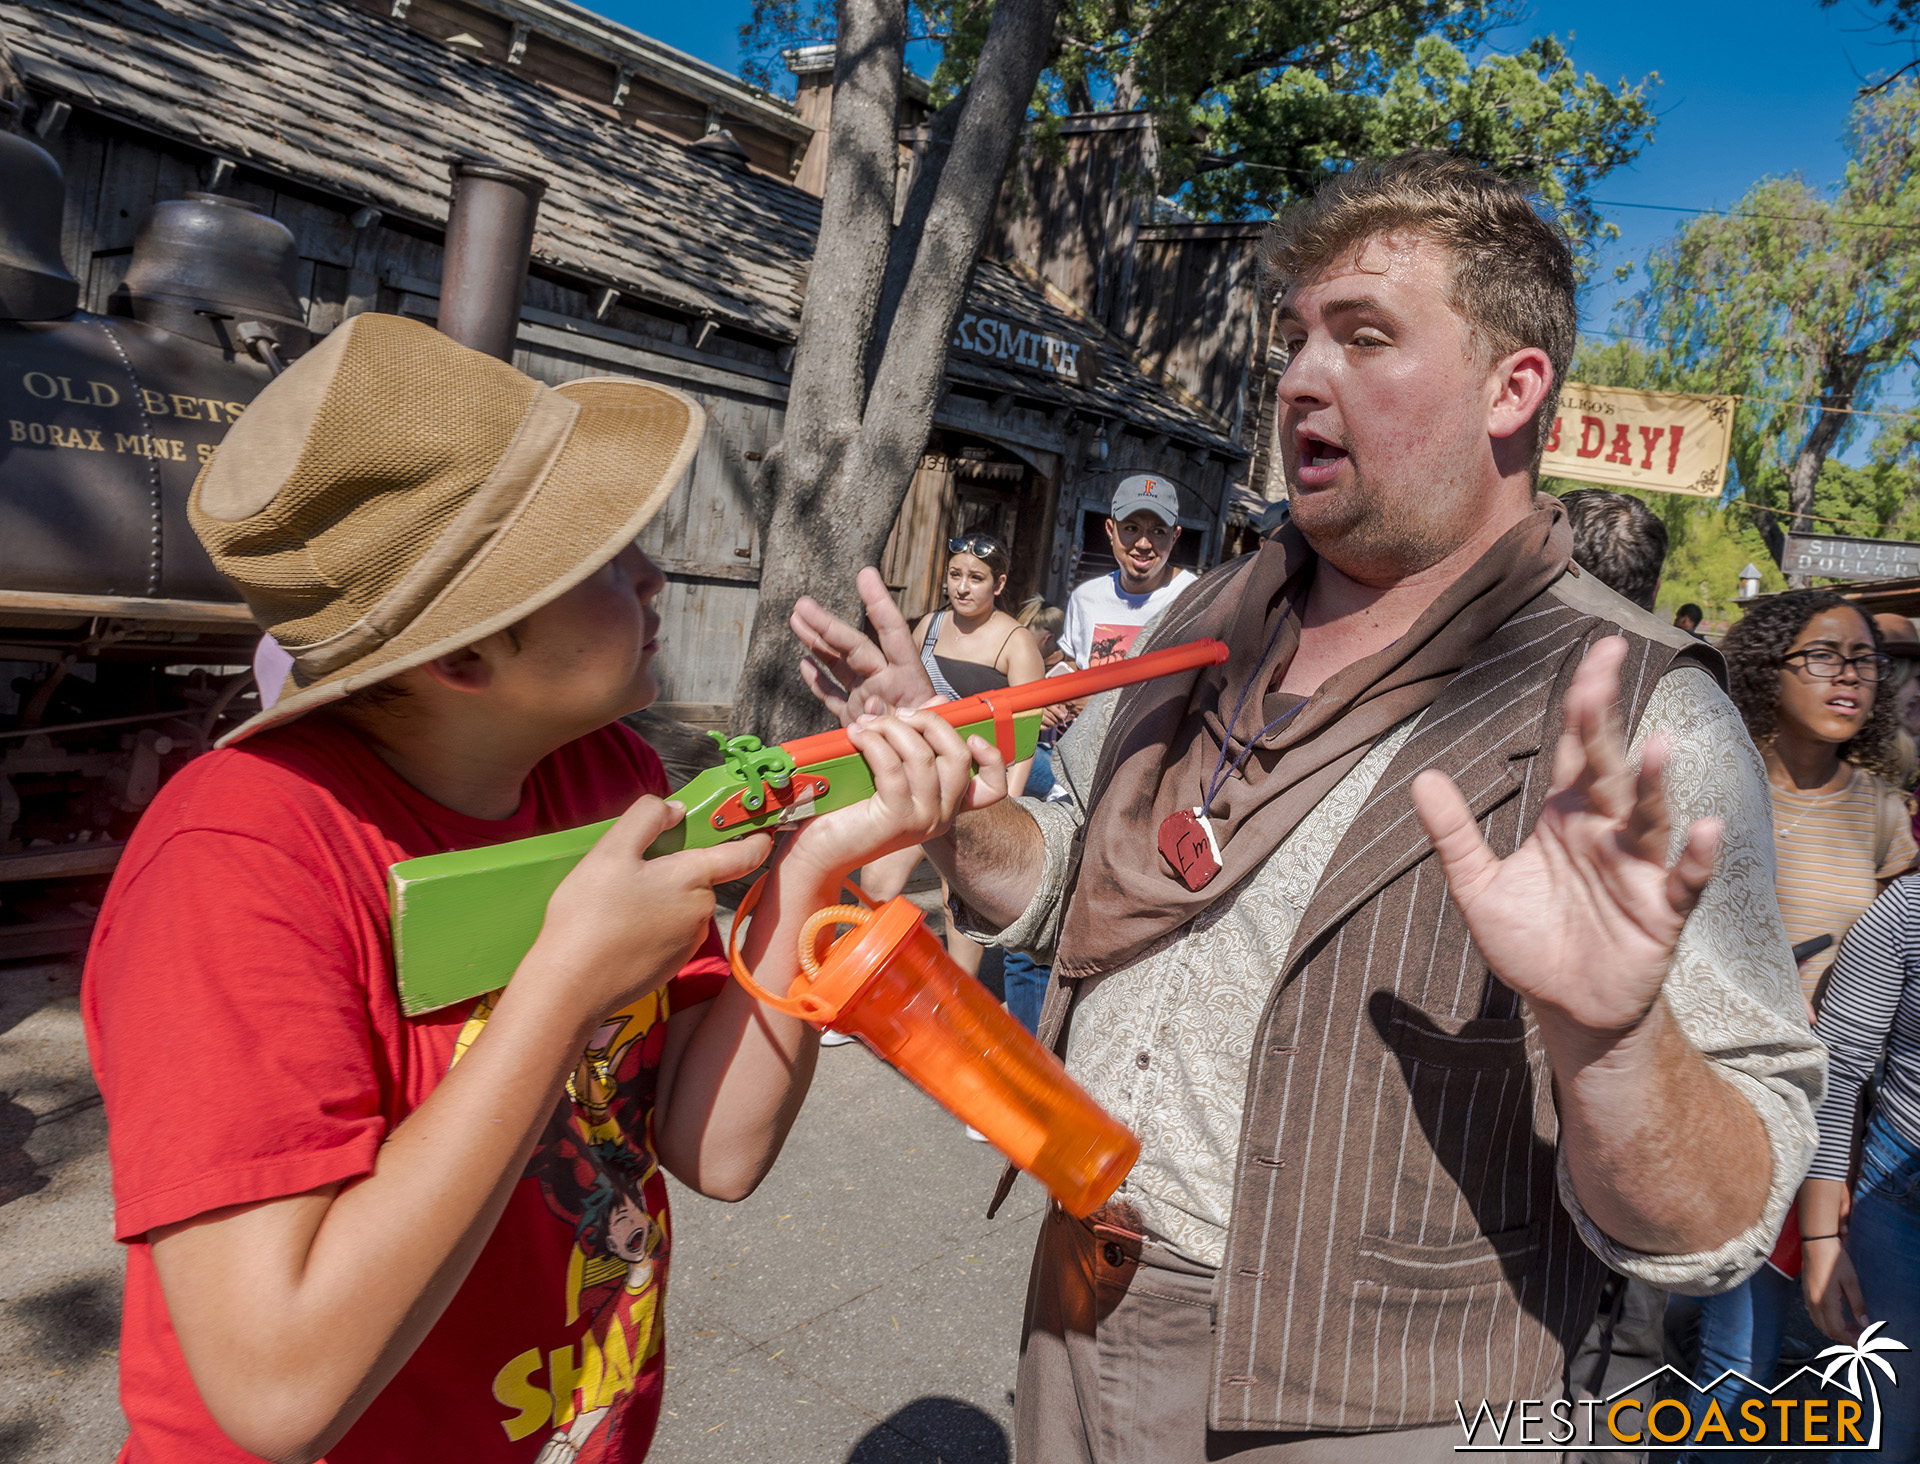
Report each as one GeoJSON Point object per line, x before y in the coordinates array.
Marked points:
{"type": "Point", "coordinates": [851, 675]}
{"type": "Point", "coordinates": [1583, 917]}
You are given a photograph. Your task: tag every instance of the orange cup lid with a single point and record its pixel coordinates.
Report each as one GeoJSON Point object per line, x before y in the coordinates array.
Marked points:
{"type": "Point", "coordinates": [856, 958]}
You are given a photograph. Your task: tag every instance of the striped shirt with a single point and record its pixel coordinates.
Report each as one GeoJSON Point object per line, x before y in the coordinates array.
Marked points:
{"type": "Point", "coordinates": [1833, 849]}
{"type": "Point", "coordinates": [1872, 1010]}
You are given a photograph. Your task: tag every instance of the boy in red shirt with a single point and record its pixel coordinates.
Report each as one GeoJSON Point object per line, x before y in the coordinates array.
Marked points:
{"type": "Point", "coordinates": [371, 1237]}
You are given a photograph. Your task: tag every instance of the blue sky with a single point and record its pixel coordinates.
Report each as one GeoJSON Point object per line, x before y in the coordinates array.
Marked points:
{"type": "Point", "coordinates": [1747, 90]}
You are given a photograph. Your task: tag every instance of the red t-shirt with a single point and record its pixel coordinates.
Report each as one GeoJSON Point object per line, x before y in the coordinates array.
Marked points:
{"type": "Point", "coordinates": [247, 1037]}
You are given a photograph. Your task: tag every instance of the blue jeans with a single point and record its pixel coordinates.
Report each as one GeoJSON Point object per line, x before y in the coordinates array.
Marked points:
{"type": "Point", "coordinates": [1883, 1241]}
{"type": "Point", "coordinates": [1740, 1330]}
{"type": "Point", "coordinates": [1040, 775]}
{"type": "Point", "coordinates": [1026, 986]}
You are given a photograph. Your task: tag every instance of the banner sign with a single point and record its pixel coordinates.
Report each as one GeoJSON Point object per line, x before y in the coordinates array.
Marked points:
{"type": "Point", "coordinates": [1852, 559]}
{"type": "Point", "coordinates": [1667, 441]}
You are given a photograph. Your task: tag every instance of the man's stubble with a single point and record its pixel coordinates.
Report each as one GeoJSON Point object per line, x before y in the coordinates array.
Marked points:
{"type": "Point", "coordinates": [1380, 536]}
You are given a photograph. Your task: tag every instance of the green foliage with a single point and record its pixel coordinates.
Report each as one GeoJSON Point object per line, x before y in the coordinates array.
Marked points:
{"type": "Point", "coordinates": [1531, 115]}
{"type": "Point", "coordinates": [1260, 100]}
{"type": "Point", "coordinates": [1709, 543]}
{"type": "Point", "coordinates": [1795, 297]}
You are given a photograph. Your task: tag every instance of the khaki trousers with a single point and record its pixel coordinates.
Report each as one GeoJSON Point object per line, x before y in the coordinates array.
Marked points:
{"type": "Point", "coordinates": [1116, 1359]}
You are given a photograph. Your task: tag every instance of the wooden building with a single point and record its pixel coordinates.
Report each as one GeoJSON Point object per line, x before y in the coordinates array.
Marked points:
{"type": "Point", "coordinates": [673, 244]}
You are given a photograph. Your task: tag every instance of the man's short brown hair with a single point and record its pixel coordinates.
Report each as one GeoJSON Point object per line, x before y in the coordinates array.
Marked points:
{"type": "Point", "coordinates": [1619, 541]}
{"type": "Point", "coordinates": [1513, 279]}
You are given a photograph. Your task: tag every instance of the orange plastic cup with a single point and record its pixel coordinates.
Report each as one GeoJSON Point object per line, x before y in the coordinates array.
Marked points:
{"type": "Point", "coordinates": [889, 982]}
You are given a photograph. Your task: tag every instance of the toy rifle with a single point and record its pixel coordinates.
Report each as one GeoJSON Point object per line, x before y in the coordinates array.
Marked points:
{"type": "Point", "coordinates": [463, 920]}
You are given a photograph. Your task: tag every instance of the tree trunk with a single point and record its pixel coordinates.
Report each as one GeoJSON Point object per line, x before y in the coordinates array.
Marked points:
{"type": "Point", "coordinates": [1835, 397]}
{"type": "Point", "coordinates": [881, 304]}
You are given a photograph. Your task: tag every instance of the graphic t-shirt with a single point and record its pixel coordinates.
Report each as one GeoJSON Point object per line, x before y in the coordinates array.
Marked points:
{"type": "Point", "coordinates": [247, 1036]}
{"type": "Point", "coordinates": [1103, 620]}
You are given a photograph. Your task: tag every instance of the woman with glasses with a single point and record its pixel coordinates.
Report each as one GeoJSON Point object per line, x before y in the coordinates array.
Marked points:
{"type": "Point", "coordinates": [1806, 670]}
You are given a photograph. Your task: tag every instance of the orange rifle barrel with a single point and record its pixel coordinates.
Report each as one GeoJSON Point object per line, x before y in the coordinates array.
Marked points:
{"type": "Point", "coordinates": [1032, 695]}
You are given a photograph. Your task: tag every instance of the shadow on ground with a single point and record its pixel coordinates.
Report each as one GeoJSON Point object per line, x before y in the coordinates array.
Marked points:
{"type": "Point", "coordinates": [19, 1171]}
{"type": "Point", "coordinates": [955, 1432]}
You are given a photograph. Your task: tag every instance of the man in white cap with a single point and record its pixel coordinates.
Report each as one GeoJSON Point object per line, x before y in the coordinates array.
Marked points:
{"type": "Point", "coordinates": [1104, 615]}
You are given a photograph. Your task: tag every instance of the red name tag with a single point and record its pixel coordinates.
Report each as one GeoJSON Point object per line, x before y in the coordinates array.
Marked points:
{"type": "Point", "coordinates": [1186, 839]}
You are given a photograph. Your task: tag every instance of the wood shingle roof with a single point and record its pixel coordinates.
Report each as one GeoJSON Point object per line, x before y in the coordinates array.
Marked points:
{"type": "Point", "coordinates": [337, 97]}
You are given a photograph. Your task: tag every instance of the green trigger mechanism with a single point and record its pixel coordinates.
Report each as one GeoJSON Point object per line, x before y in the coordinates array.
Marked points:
{"type": "Point", "coordinates": [763, 776]}
{"type": "Point", "coordinates": [759, 767]}
{"type": "Point", "coordinates": [464, 919]}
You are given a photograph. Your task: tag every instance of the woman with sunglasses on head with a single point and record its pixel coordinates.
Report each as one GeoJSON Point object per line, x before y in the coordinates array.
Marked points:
{"type": "Point", "coordinates": [1806, 670]}
{"type": "Point", "coordinates": [971, 646]}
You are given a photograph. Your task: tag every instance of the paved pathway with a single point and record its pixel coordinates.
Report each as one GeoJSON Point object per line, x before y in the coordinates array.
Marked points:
{"type": "Point", "coordinates": [59, 1268]}
{"type": "Point", "coordinates": [859, 1308]}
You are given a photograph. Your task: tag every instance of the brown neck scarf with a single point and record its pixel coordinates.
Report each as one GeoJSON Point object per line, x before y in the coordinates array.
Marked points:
{"type": "Point", "coordinates": [1164, 746]}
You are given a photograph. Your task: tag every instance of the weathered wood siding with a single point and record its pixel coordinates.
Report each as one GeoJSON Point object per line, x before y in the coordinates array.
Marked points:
{"type": "Point", "coordinates": [1073, 207]}
{"type": "Point", "coordinates": [1191, 310]}
{"type": "Point", "coordinates": [706, 537]}
{"type": "Point", "coordinates": [914, 563]}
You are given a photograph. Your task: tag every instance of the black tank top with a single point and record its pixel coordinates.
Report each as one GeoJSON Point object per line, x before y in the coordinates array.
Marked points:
{"type": "Point", "coordinates": [961, 678]}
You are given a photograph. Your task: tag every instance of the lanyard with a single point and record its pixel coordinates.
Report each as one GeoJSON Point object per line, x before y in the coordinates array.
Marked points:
{"type": "Point", "coordinates": [1220, 770]}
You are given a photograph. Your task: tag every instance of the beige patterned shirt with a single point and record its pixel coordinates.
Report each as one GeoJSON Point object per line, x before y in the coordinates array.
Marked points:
{"type": "Point", "coordinates": [1164, 1041]}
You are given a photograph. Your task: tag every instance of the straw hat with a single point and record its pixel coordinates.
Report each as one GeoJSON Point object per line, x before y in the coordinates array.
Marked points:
{"type": "Point", "coordinates": [394, 496]}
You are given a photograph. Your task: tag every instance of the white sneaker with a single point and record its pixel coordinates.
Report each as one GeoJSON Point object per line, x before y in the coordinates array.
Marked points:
{"type": "Point", "coordinates": [975, 1134]}
{"type": "Point", "coordinates": [831, 1038]}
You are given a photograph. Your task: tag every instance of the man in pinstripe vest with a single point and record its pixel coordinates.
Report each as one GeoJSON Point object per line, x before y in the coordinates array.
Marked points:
{"type": "Point", "coordinates": [1428, 945]}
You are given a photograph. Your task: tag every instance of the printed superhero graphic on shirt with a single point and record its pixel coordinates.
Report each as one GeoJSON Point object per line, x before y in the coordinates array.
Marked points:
{"type": "Point", "coordinates": [1111, 643]}
{"type": "Point", "coordinates": [596, 1167]}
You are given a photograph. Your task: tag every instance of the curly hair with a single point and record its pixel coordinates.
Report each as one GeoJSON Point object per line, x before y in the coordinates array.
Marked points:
{"type": "Point", "coordinates": [1753, 649]}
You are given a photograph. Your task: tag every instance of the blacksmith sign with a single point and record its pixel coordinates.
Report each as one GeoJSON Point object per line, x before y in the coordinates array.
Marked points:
{"type": "Point", "coordinates": [1008, 343]}
{"type": "Point", "coordinates": [1834, 557]}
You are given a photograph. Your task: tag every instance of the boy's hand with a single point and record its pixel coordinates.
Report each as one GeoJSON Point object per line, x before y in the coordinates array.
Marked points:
{"type": "Point", "coordinates": [623, 924]}
{"type": "Point", "coordinates": [922, 777]}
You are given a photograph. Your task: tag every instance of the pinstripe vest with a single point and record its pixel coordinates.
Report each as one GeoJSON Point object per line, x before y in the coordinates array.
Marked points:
{"type": "Point", "coordinates": [1396, 1241]}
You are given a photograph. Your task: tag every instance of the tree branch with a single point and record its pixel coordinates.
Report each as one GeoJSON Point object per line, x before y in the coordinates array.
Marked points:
{"type": "Point", "coordinates": [914, 359]}
{"type": "Point", "coordinates": [930, 163]}
{"type": "Point", "coordinates": [829, 391]}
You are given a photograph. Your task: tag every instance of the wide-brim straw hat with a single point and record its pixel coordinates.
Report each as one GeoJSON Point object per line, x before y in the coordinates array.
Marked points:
{"type": "Point", "coordinates": [394, 496]}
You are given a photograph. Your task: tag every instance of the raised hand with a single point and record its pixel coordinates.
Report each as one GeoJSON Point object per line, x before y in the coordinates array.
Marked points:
{"type": "Point", "coordinates": [1582, 918]}
{"type": "Point", "coordinates": [851, 675]}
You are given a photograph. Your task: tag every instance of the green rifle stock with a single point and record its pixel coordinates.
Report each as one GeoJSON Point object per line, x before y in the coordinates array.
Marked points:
{"type": "Point", "coordinates": [464, 920]}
